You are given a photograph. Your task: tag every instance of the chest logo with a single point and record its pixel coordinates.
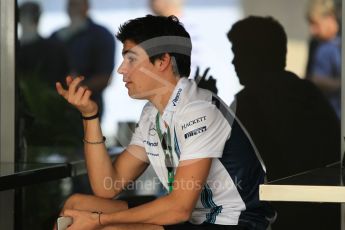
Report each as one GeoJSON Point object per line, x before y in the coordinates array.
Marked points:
{"type": "Point", "coordinates": [177, 98]}
{"type": "Point", "coordinates": [151, 144]}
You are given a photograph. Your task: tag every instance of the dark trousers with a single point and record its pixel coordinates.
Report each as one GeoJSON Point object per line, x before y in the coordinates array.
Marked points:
{"type": "Point", "coordinates": [204, 226]}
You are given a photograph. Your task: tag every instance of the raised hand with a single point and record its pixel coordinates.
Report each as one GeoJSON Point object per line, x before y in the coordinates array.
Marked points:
{"type": "Point", "coordinates": [78, 96]}
{"type": "Point", "coordinates": [210, 83]}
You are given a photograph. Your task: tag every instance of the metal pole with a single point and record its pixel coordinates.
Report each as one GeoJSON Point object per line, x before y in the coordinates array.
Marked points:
{"type": "Point", "coordinates": [7, 105]}
{"type": "Point", "coordinates": [7, 80]}
{"type": "Point", "coordinates": [342, 103]}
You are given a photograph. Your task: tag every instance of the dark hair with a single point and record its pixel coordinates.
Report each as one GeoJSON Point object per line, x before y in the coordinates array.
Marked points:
{"type": "Point", "coordinates": [158, 35]}
{"type": "Point", "coordinates": [32, 10]}
{"type": "Point", "coordinates": [264, 37]}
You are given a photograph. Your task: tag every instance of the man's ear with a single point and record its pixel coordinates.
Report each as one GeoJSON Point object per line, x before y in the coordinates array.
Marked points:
{"type": "Point", "coordinates": [164, 62]}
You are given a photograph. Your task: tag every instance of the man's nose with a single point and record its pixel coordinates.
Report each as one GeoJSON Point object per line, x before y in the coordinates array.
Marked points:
{"type": "Point", "coordinates": [121, 69]}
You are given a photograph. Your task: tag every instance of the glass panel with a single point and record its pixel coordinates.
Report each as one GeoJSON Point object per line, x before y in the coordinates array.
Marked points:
{"type": "Point", "coordinates": [47, 121]}
{"type": "Point", "coordinates": [7, 169]}
{"type": "Point", "coordinates": [50, 130]}
{"type": "Point", "coordinates": [46, 199]}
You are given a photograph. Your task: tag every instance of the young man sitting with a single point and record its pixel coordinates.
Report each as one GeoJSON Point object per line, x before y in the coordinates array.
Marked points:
{"type": "Point", "coordinates": [200, 153]}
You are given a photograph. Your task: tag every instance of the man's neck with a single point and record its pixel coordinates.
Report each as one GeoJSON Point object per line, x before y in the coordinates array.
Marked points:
{"type": "Point", "coordinates": [29, 35]}
{"type": "Point", "coordinates": [161, 99]}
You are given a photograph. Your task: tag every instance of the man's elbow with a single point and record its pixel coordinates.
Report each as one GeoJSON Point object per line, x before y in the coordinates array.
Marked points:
{"type": "Point", "coordinates": [107, 194]}
{"type": "Point", "coordinates": [186, 216]}
{"type": "Point", "coordinates": [104, 195]}
{"type": "Point", "coordinates": [182, 210]}
{"type": "Point", "coordinates": [183, 214]}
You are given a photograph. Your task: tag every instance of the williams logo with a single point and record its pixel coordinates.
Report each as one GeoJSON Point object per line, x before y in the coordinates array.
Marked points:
{"type": "Point", "coordinates": [175, 100]}
{"type": "Point", "coordinates": [195, 132]}
{"type": "Point", "coordinates": [193, 122]}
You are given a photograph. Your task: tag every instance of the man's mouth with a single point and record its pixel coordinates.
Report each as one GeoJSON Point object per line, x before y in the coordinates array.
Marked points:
{"type": "Point", "coordinates": [127, 84]}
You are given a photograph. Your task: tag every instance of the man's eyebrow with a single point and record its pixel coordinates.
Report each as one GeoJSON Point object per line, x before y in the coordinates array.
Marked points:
{"type": "Point", "coordinates": [129, 51]}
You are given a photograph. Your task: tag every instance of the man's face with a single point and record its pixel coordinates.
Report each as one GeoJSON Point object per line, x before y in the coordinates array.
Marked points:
{"type": "Point", "coordinates": [323, 27]}
{"type": "Point", "coordinates": [140, 75]}
{"type": "Point", "coordinates": [158, 6]}
{"type": "Point", "coordinates": [164, 7]}
{"type": "Point", "coordinates": [244, 63]}
{"type": "Point", "coordinates": [77, 8]}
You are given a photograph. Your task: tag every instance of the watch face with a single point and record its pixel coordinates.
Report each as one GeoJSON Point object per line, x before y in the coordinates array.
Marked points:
{"type": "Point", "coordinates": [63, 222]}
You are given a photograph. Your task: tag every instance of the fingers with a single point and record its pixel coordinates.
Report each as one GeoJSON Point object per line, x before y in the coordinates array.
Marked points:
{"type": "Point", "coordinates": [205, 73]}
{"type": "Point", "coordinates": [79, 94]}
{"type": "Point", "coordinates": [68, 212]}
{"type": "Point", "coordinates": [69, 80]}
{"type": "Point", "coordinates": [60, 89]}
{"type": "Point", "coordinates": [196, 76]}
{"type": "Point", "coordinates": [86, 97]}
{"type": "Point", "coordinates": [74, 92]}
{"type": "Point", "coordinates": [72, 86]}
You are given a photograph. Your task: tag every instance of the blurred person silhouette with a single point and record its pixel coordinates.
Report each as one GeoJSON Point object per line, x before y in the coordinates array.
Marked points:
{"type": "Point", "coordinates": [206, 81]}
{"type": "Point", "coordinates": [91, 53]}
{"type": "Point", "coordinates": [324, 68]}
{"type": "Point", "coordinates": [40, 62]}
{"type": "Point", "coordinates": [312, 44]}
{"type": "Point", "coordinates": [38, 57]}
{"type": "Point", "coordinates": [289, 120]}
{"type": "Point", "coordinates": [175, 7]}
{"type": "Point", "coordinates": [90, 47]}
{"type": "Point", "coordinates": [167, 7]}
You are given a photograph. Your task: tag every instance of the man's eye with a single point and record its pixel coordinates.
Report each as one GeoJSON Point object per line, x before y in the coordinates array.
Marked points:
{"type": "Point", "coordinates": [131, 59]}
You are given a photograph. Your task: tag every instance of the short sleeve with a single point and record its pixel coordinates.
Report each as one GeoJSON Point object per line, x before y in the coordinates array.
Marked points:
{"type": "Point", "coordinates": [137, 137]}
{"type": "Point", "coordinates": [202, 131]}
{"type": "Point", "coordinates": [323, 61]}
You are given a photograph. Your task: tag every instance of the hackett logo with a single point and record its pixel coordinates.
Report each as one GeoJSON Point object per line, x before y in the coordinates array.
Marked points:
{"type": "Point", "coordinates": [175, 100]}
{"type": "Point", "coordinates": [193, 122]}
{"type": "Point", "coordinates": [195, 132]}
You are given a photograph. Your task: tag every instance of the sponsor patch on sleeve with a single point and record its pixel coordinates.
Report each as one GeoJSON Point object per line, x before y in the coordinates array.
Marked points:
{"type": "Point", "coordinates": [195, 132]}
{"type": "Point", "coordinates": [193, 122]}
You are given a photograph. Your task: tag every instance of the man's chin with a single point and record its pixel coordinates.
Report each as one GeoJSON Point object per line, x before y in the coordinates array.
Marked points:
{"type": "Point", "coordinates": [135, 96]}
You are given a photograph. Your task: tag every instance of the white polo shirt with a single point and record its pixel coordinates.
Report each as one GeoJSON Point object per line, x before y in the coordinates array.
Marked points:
{"type": "Point", "coordinates": [202, 126]}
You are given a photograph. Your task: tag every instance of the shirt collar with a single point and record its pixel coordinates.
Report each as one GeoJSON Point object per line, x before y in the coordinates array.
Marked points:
{"type": "Point", "coordinates": [176, 96]}
{"type": "Point", "coordinates": [174, 101]}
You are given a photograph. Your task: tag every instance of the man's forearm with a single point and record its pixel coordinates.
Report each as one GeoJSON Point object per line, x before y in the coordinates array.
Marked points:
{"type": "Point", "coordinates": [98, 162]}
{"type": "Point", "coordinates": [163, 211]}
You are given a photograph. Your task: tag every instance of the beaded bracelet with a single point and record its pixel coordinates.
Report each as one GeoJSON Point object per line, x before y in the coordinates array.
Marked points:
{"type": "Point", "coordinates": [96, 142]}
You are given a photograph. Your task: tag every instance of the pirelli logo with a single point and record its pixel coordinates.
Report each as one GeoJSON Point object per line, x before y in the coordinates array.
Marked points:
{"type": "Point", "coordinates": [195, 132]}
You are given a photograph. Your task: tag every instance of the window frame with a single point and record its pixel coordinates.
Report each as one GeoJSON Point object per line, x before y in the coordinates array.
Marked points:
{"type": "Point", "coordinates": [7, 80]}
